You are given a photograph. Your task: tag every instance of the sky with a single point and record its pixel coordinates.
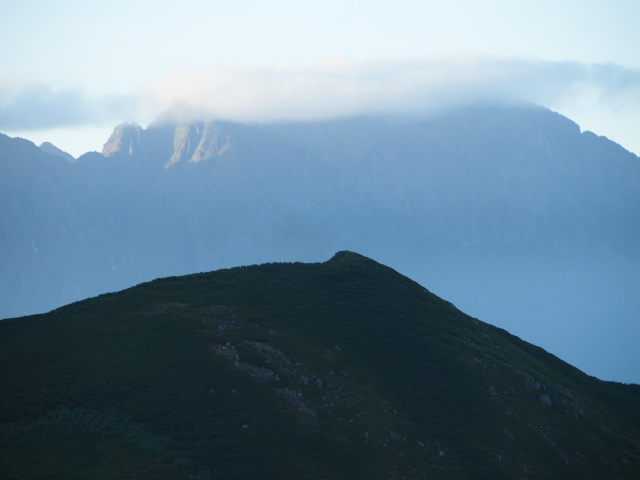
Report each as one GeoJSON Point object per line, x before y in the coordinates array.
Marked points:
{"type": "Point", "coordinates": [72, 70]}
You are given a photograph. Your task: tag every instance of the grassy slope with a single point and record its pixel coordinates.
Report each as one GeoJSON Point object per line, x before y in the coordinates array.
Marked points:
{"type": "Point", "coordinates": [343, 369]}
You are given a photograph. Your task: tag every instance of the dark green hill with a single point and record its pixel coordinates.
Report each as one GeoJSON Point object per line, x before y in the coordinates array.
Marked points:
{"type": "Point", "coordinates": [341, 370]}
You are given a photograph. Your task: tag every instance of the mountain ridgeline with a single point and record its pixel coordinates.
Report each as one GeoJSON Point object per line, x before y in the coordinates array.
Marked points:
{"type": "Point", "coordinates": [343, 369]}
{"type": "Point", "coordinates": [510, 212]}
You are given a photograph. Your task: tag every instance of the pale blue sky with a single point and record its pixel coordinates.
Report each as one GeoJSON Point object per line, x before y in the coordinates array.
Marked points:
{"type": "Point", "coordinates": [71, 70]}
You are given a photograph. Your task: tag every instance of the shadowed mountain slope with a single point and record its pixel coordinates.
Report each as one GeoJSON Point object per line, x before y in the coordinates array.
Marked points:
{"type": "Point", "coordinates": [483, 203]}
{"type": "Point", "coordinates": [342, 369]}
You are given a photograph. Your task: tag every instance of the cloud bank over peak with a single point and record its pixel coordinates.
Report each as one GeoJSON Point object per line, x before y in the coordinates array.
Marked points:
{"type": "Point", "coordinates": [339, 86]}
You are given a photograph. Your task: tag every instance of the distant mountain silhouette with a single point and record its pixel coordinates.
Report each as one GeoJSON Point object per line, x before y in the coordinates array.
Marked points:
{"type": "Point", "coordinates": [510, 212]}
{"type": "Point", "coordinates": [51, 149]}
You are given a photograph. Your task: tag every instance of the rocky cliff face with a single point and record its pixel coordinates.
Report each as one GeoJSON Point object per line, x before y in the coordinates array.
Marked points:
{"type": "Point", "coordinates": [512, 213]}
{"type": "Point", "coordinates": [195, 142]}
{"type": "Point", "coordinates": [125, 139]}
{"type": "Point", "coordinates": [190, 141]}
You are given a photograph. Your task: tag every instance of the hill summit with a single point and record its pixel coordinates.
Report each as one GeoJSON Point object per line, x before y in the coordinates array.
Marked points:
{"type": "Point", "coordinates": [343, 369]}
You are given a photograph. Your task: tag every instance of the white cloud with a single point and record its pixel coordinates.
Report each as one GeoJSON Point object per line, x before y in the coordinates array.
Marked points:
{"type": "Point", "coordinates": [339, 86]}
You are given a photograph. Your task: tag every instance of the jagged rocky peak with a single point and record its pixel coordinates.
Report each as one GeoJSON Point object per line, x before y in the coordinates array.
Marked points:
{"type": "Point", "coordinates": [198, 141]}
{"type": "Point", "coordinates": [196, 134]}
{"type": "Point", "coordinates": [125, 139]}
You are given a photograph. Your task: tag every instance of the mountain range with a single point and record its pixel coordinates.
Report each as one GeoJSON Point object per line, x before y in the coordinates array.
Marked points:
{"type": "Point", "coordinates": [511, 212]}
{"type": "Point", "coordinates": [343, 369]}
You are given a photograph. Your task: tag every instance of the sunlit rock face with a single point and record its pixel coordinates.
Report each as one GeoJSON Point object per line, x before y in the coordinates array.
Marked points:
{"type": "Point", "coordinates": [194, 142]}
{"type": "Point", "coordinates": [512, 213]}
{"type": "Point", "coordinates": [126, 138]}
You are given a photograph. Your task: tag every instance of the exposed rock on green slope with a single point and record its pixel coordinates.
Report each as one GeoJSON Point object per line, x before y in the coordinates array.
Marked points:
{"type": "Point", "coordinates": [342, 370]}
